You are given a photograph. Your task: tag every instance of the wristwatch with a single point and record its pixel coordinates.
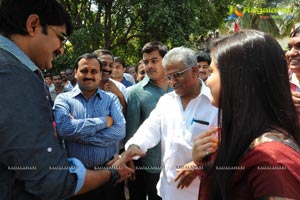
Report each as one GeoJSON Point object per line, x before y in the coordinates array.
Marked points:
{"type": "Point", "coordinates": [114, 176]}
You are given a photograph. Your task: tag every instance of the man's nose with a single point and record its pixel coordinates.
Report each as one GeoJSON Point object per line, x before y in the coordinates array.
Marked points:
{"type": "Point", "coordinates": [89, 75]}
{"type": "Point", "coordinates": [59, 51]}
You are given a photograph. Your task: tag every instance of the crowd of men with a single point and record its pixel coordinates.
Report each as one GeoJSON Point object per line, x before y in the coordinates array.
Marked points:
{"type": "Point", "coordinates": [101, 129]}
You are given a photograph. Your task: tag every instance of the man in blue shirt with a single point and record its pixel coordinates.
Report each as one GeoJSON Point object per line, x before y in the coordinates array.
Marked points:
{"type": "Point", "coordinates": [118, 72]}
{"type": "Point", "coordinates": [89, 120]}
{"type": "Point", "coordinates": [32, 163]}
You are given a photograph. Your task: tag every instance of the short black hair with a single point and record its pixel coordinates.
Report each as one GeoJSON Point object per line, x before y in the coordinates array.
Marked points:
{"type": "Point", "coordinates": [87, 56]}
{"type": "Point", "coordinates": [203, 56]}
{"type": "Point", "coordinates": [100, 52]}
{"type": "Point", "coordinates": [155, 46]}
{"type": "Point", "coordinates": [56, 74]}
{"type": "Point", "coordinates": [120, 60]}
{"type": "Point", "coordinates": [48, 75]}
{"type": "Point", "coordinates": [14, 14]}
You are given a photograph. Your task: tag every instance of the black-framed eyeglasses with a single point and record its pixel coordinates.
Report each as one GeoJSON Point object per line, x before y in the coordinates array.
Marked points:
{"type": "Point", "coordinates": [64, 39]}
{"type": "Point", "coordinates": [177, 74]}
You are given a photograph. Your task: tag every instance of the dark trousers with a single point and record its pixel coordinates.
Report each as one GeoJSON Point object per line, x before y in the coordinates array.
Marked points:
{"type": "Point", "coordinates": [144, 184]}
{"type": "Point", "coordinates": [106, 192]}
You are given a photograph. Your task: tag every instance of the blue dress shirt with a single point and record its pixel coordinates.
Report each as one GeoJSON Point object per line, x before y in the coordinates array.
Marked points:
{"type": "Point", "coordinates": [82, 124]}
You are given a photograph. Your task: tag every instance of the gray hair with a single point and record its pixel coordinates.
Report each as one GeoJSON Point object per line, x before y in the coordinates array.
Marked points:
{"type": "Point", "coordinates": [180, 54]}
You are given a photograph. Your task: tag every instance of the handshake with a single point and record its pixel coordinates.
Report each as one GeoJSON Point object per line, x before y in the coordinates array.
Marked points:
{"type": "Point", "coordinates": [122, 167]}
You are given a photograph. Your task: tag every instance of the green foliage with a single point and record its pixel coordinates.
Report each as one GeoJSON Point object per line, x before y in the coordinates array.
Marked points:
{"type": "Point", "coordinates": [125, 26]}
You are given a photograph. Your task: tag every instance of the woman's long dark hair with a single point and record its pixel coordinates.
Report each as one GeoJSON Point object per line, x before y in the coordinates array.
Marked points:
{"type": "Point", "coordinates": [255, 97]}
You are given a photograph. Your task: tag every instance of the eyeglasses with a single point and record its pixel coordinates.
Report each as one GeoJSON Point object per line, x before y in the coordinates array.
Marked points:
{"type": "Point", "coordinates": [177, 74]}
{"type": "Point", "coordinates": [64, 39]}
{"type": "Point", "coordinates": [152, 60]}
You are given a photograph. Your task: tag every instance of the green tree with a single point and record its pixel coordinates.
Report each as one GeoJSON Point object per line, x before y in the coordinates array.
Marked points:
{"type": "Point", "coordinates": [125, 26]}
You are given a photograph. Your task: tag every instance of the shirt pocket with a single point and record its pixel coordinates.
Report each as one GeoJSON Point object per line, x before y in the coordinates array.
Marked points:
{"type": "Point", "coordinates": [197, 129]}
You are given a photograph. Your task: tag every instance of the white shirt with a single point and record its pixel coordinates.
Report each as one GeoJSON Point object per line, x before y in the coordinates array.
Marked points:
{"type": "Point", "coordinates": [294, 81]}
{"type": "Point", "coordinates": [51, 87]}
{"type": "Point", "coordinates": [129, 78]}
{"type": "Point", "coordinates": [121, 87]}
{"type": "Point", "coordinates": [171, 125]}
{"type": "Point", "coordinates": [68, 85]}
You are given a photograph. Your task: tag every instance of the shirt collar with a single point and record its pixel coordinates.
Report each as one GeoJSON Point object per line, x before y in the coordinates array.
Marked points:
{"type": "Point", "coordinates": [77, 91]}
{"type": "Point", "coordinates": [145, 81]}
{"type": "Point", "coordinates": [204, 90]}
{"type": "Point", "coordinates": [293, 79]}
{"type": "Point", "coordinates": [12, 48]}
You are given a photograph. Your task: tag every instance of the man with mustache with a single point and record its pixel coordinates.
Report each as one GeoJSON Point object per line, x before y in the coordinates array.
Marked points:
{"type": "Point", "coordinates": [65, 80]}
{"type": "Point", "coordinates": [293, 60]}
{"type": "Point", "coordinates": [33, 165]}
{"type": "Point", "coordinates": [58, 86]}
{"type": "Point", "coordinates": [173, 124]}
{"type": "Point", "coordinates": [142, 99]}
{"type": "Point", "coordinates": [107, 83]}
{"type": "Point", "coordinates": [203, 60]}
{"type": "Point", "coordinates": [90, 120]}
{"type": "Point", "coordinates": [118, 72]}
{"type": "Point", "coordinates": [110, 85]}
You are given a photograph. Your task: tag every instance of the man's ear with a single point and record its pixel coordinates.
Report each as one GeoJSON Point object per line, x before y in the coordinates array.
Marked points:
{"type": "Point", "coordinates": [33, 21]}
{"type": "Point", "coordinates": [195, 71]}
{"type": "Point", "coordinates": [75, 75]}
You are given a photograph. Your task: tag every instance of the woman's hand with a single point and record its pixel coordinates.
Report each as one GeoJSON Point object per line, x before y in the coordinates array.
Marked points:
{"type": "Point", "coordinates": [205, 144]}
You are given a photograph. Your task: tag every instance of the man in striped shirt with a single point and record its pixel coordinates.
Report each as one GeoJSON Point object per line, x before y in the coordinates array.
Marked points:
{"type": "Point", "coordinates": [89, 120]}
